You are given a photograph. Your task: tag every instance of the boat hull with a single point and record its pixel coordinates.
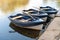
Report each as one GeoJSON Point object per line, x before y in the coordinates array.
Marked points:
{"type": "Point", "coordinates": [25, 24]}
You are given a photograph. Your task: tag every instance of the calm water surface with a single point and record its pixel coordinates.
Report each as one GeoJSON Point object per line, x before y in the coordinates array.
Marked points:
{"type": "Point", "coordinates": [8, 31]}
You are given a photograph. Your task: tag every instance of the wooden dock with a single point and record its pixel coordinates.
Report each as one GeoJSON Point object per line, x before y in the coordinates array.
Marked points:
{"type": "Point", "coordinates": [53, 31]}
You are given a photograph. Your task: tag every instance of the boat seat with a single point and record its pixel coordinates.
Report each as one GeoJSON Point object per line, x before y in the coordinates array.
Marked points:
{"type": "Point", "coordinates": [16, 17]}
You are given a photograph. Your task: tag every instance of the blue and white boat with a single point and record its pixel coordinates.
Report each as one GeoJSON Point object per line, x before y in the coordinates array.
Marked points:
{"type": "Point", "coordinates": [50, 11]}
{"type": "Point", "coordinates": [36, 13]}
{"type": "Point", "coordinates": [24, 21]}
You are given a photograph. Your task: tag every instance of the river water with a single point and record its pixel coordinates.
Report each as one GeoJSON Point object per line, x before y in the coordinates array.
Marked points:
{"type": "Point", "coordinates": [8, 31]}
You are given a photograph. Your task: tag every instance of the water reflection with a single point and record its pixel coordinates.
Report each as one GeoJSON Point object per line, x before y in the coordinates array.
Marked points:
{"type": "Point", "coordinates": [10, 5]}
{"type": "Point", "coordinates": [58, 3]}
{"type": "Point", "coordinates": [15, 5]}
{"type": "Point", "coordinates": [52, 3]}
{"type": "Point", "coordinates": [26, 32]}
{"type": "Point", "coordinates": [45, 2]}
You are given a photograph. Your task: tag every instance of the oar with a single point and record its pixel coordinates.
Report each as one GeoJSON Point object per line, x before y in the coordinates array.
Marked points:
{"type": "Point", "coordinates": [30, 15]}
{"type": "Point", "coordinates": [38, 9]}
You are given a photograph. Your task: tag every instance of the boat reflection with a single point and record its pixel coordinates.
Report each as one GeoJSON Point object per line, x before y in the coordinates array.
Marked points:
{"type": "Point", "coordinates": [24, 31]}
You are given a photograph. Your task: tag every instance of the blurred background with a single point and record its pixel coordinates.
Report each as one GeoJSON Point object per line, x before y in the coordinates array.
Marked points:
{"type": "Point", "coordinates": [9, 7]}
{"type": "Point", "coordinates": [19, 5]}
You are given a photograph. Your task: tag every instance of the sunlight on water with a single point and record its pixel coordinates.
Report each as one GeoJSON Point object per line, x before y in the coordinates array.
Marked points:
{"type": "Point", "coordinates": [9, 5]}
{"type": "Point", "coordinates": [1, 15]}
